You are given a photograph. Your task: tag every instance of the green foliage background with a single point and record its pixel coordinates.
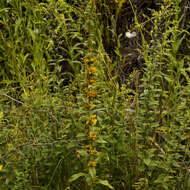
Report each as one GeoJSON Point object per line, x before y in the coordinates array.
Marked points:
{"type": "Point", "coordinates": [142, 133]}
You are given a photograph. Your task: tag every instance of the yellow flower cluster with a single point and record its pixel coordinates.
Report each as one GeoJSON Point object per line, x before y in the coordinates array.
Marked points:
{"type": "Point", "coordinates": [88, 146]}
{"type": "Point", "coordinates": [91, 120]}
{"type": "Point", "coordinates": [62, 16]}
{"type": "Point", "coordinates": [1, 167]}
{"type": "Point", "coordinates": [92, 71]}
{"type": "Point", "coordinates": [91, 164]}
{"type": "Point", "coordinates": [90, 82]}
{"type": "Point", "coordinates": [92, 152]}
{"type": "Point", "coordinates": [91, 185]}
{"type": "Point", "coordinates": [92, 136]}
{"type": "Point", "coordinates": [89, 60]}
{"type": "Point", "coordinates": [90, 93]}
{"type": "Point", "coordinates": [89, 105]}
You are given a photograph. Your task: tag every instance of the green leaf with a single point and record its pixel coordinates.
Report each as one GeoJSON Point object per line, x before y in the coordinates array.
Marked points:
{"type": "Point", "coordinates": [147, 161]}
{"type": "Point", "coordinates": [176, 45]}
{"type": "Point", "coordinates": [105, 183]}
{"type": "Point", "coordinates": [81, 135]}
{"type": "Point", "coordinates": [5, 9]}
{"type": "Point", "coordinates": [92, 172]}
{"type": "Point", "coordinates": [32, 34]}
{"type": "Point", "coordinates": [82, 152]}
{"type": "Point", "coordinates": [101, 140]}
{"type": "Point", "coordinates": [76, 176]}
{"type": "Point", "coordinates": [17, 24]}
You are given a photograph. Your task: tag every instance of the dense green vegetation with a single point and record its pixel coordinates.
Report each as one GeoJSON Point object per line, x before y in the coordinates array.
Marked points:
{"type": "Point", "coordinates": [76, 113]}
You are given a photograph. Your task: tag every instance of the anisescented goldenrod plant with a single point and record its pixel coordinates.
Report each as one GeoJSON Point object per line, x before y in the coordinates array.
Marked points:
{"type": "Point", "coordinates": [90, 152]}
{"type": "Point", "coordinates": [91, 127]}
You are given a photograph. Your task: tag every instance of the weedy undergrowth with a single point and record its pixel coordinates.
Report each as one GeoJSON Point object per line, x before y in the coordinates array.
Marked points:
{"type": "Point", "coordinates": [66, 122]}
{"type": "Point", "coordinates": [161, 125]}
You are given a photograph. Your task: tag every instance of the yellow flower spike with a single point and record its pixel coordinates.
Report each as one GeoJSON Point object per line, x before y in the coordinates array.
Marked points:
{"type": "Point", "coordinates": [91, 164]}
{"type": "Point", "coordinates": [1, 167]}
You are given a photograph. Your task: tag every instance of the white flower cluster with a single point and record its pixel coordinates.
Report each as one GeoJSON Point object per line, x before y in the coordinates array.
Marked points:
{"type": "Point", "coordinates": [130, 34]}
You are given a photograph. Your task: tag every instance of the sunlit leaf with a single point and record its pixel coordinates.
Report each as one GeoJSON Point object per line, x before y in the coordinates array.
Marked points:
{"type": "Point", "coordinates": [76, 176]}
{"type": "Point", "coordinates": [105, 183]}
